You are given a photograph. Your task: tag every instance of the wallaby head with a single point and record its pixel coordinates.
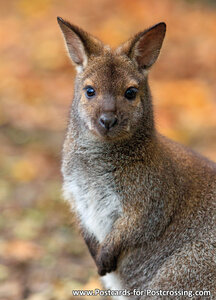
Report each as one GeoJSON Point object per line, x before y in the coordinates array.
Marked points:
{"type": "Point", "coordinates": [111, 99]}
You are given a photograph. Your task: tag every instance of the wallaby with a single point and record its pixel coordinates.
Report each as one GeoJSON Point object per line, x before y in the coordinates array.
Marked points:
{"type": "Point", "coordinates": [145, 204]}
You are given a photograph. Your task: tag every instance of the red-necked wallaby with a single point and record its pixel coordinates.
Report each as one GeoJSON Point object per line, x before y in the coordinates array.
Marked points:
{"type": "Point", "coordinates": [146, 205]}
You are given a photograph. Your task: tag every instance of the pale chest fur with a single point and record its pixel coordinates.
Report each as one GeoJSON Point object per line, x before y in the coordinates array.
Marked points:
{"type": "Point", "coordinates": [98, 206]}
{"type": "Point", "coordinates": [95, 201]}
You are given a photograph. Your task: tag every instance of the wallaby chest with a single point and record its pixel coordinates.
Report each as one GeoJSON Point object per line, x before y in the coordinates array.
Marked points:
{"type": "Point", "coordinates": [94, 198]}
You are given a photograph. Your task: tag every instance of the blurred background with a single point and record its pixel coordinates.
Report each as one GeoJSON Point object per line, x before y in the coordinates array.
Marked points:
{"type": "Point", "coordinates": [42, 256]}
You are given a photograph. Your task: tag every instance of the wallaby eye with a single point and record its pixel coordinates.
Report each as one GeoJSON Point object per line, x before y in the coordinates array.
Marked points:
{"type": "Point", "coordinates": [90, 92]}
{"type": "Point", "coordinates": [131, 93]}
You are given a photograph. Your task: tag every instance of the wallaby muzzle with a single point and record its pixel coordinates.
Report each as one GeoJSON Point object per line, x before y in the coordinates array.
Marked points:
{"type": "Point", "coordinates": [108, 120]}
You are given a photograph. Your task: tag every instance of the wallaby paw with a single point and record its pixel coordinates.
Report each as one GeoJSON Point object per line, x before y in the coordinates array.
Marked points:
{"type": "Point", "coordinates": [106, 263]}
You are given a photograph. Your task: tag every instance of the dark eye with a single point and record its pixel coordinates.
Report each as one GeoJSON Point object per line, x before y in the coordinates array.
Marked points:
{"type": "Point", "coordinates": [90, 92]}
{"type": "Point", "coordinates": [131, 93]}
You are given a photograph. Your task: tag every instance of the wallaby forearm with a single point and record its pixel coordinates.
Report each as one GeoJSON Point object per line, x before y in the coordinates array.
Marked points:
{"type": "Point", "coordinates": [118, 240]}
{"type": "Point", "coordinates": [91, 243]}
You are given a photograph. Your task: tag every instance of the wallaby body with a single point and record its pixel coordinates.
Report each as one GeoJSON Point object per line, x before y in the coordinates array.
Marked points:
{"type": "Point", "coordinates": [146, 205]}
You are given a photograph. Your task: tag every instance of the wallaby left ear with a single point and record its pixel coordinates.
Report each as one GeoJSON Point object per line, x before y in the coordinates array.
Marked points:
{"type": "Point", "coordinates": [80, 44]}
{"type": "Point", "coordinates": [145, 47]}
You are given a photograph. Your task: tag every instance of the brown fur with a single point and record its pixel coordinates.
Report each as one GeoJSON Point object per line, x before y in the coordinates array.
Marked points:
{"type": "Point", "coordinates": [165, 237]}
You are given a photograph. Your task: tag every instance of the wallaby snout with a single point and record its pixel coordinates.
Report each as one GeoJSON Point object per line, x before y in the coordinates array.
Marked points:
{"type": "Point", "coordinates": [108, 120]}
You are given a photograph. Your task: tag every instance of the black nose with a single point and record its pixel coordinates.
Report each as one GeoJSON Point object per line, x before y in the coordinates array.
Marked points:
{"type": "Point", "coordinates": [108, 120]}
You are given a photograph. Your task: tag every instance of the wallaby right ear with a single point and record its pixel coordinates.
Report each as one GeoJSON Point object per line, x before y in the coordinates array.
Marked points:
{"type": "Point", "coordinates": [79, 43]}
{"type": "Point", "coordinates": [145, 47]}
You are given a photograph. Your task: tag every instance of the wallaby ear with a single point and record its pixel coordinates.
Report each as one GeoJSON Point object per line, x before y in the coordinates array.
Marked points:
{"type": "Point", "coordinates": [79, 43]}
{"type": "Point", "coordinates": [145, 47]}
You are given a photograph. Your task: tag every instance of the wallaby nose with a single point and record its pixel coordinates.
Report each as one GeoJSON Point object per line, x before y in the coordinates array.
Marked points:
{"type": "Point", "coordinates": [108, 120]}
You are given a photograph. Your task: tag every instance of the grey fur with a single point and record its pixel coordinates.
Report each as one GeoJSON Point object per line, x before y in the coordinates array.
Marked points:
{"type": "Point", "coordinates": [153, 199]}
